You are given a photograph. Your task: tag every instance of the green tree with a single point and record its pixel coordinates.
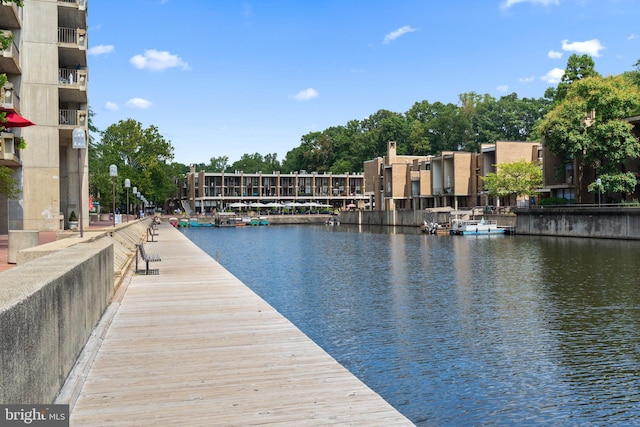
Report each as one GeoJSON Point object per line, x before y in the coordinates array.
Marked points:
{"type": "Point", "coordinates": [252, 163]}
{"type": "Point", "coordinates": [578, 67]}
{"type": "Point", "coordinates": [604, 142]}
{"type": "Point", "coordinates": [507, 119]}
{"type": "Point", "coordinates": [519, 178]}
{"type": "Point", "coordinates": [141, 155]}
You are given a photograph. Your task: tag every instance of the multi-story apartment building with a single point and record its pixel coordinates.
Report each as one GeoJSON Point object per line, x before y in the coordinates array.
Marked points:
{"type": "Point", "coordinates": [46, 68]}
{"type": "Point", "coordinates": [452, 179]}
{"type": "Point", "coordinates": [205, 192]}
{"type": "Point", "coordinates": [388, 180]}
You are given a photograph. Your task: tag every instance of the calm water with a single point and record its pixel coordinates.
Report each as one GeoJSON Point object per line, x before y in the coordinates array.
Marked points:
{"type": "Point", "coordinates": [459, 331]}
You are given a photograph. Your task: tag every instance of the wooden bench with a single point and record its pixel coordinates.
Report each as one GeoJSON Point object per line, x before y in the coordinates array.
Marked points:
{"type": "Point", "coordinates": [147, 258]}
{"type": "Point", "coordinates": [152, 231]}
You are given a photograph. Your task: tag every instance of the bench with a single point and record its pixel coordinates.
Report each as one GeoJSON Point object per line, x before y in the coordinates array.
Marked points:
{"type": "Point", "coordinates": [152, 231]}
{"type": "Point", "coordinates": [147, 258]}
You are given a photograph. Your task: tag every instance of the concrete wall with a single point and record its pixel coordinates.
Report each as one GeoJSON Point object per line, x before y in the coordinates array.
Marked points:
{"type": "Point", "coordinates": [48, 309]}
{"type": "Point", "coordinates": [610, 223]}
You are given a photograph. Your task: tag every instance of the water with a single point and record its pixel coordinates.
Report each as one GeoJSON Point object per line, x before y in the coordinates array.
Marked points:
{"type": "Point", "coordinates": [458, 331]}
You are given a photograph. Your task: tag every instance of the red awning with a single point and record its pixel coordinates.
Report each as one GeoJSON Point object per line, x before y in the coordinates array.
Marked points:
{"type": "Point", "coordinates": [13, 120]}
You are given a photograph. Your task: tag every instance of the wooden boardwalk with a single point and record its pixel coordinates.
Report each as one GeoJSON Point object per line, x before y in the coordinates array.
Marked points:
{"type": "Point", "coordinates": [194, 346]}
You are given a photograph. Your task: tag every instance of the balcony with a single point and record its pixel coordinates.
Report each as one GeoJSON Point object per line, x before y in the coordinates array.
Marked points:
{"type": "Point", "coordinates": [9, 16]}
{"type": "Point", "coordinates": [79, 4]}
{"type": "Point", "coordinates": [8, 153]}
{"type": "Point", "coordinates": [73, 85]}
{"type": "Point", "coordinates": [71, 119]}
{"type": "Point", "coordinates": [9, 99]}
{"type": "Point", "coordinates": [10, 58]}
{"type": "Point", "coordinates": [72, 37]}
{"type": "Point", "coordinates": [72, 46]}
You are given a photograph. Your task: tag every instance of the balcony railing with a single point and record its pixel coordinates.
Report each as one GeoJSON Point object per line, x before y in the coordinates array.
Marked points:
{"type": "Point", "coordinates": [80, 3]}
{"type": "Point", "coordinates": [73, 77]}
{"type": "Point", "coordinates": [73, 36]}
{"type": "Point", "coordinates": [76, 118]}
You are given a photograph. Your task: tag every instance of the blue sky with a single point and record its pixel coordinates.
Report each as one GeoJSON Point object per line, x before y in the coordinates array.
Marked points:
{"type": "Point", "coordinates": [225, 78]}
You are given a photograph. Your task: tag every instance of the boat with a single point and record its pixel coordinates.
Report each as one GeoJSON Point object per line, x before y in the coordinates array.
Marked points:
{"type": "Point", "coordinates": [225, 219]}
{"type": "Point", "coordinates": [173, 221]}
{"type": "Point", "coordinates": [184, 222]}
{"type": "Point", "coordinates": [263, 220]}
{"type": "Point", "coordinates": [193, 222]}
{"type": "Point", "coordinates": [332, 220]}
{"type": "Point", "coordinates": [467, 227]}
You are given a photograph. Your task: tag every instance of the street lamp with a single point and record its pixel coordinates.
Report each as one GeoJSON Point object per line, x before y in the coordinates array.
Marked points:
{"type": "Point", "coordinates": [113, 173]}
{"type": "Point", "coordinates": [79, 141]}
{"type": "Point", "coordinates": [599, 184]}
{"type": "Point", "coordinates": [135, 205]}
{"type": "Point", "coordinates": [127, 185]}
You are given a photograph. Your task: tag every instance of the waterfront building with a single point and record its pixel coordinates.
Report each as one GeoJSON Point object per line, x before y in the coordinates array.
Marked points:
{"type": "Point", "coordinates": [452, 179]}
{"type": "Point", "coordinates": [46, 68]}
{"type": "Point", "coordinates": [569, 178]}
{"type": "Point", "coordinates": [205, 192]}
{"type": "Point", "coordinates": [388, 180]}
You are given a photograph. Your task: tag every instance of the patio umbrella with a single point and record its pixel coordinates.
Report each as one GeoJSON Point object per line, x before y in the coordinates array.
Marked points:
{"type": "Point", "coordinates": [13, 120]}
{"type": "Point", "coordinates": [237, 205]}
{"type": "Point", "coordinates": [273, 205]}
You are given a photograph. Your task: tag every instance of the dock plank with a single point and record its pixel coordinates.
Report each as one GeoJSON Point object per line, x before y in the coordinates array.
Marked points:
{"type": "Point", "coordinates": [194, 346]}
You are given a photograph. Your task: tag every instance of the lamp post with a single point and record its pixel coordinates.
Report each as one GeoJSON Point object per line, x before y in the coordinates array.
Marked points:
{"type": "Point", "coordinates": [135, 191]}
{"type": "Point", "coordinates": [138, 195]}
{"type": "Point", "coordinates": [79, 141]}
{"type": "Point", "coordinates": [113, 173]}
{"type": "Point", "coordinates": [127, 185]}
{"type": "Point", "coordinates": [599, 184]}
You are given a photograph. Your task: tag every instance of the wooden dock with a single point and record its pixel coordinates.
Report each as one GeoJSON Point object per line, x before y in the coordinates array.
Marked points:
{"type": "Point", "coordinates": [194, 346]}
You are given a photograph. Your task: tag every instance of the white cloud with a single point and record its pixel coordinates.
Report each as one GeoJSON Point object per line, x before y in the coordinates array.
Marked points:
{"type": "Point", "coordinates": [397, 33]}
{"type": "Point", "coordinates": [139, 103]}
{"type": "Point", "coordinates": [508, 3]}
{"type": "Point", "coordinates": [101, 50]}
{"type": "Point", "coordinates": [156, 60]}
{"type": "Point", "coordinates": [590, 47]}
{"type": "Point", "coordinates": [632, 36]}
{"type": "Point", "coordinates": [305, 95]}
{"type": "Point", "coordinates": [502, 88]}
{"type": "Point", "coordinates": [111, 106]}
{"type": "Point", "coordinates": [526, 79]}
{"type": "Point", "coordinates": [554, 54]}
{"type": "Point", "coordinates": [554, 76]}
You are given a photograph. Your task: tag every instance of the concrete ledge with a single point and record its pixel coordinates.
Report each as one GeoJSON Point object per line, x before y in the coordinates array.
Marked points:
{"type": "Point", "coordinates": [576, 221]}
{"type": "Point", "coordinates": [19, 240]}
{"type": "Point", "coordinates": [48, 309]}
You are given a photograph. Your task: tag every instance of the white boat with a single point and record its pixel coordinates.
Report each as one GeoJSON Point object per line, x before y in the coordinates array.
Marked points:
{"type": "Point", "coordinates": [474, 227]}
{"type": "Point", "coordinates": [332, 220]}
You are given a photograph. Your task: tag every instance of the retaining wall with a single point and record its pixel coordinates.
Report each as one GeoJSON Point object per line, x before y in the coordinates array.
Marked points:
{"type": "Point", "coordinates": [50, 304]}
{"type": "Point", "coordinates": [598, 222]}
{"type": "Point", "coordinates": [48, 309]}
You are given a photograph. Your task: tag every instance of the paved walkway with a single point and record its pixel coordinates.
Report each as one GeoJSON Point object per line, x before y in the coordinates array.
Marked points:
{"type": "Point", "coordinates": [43, 237]}
{"type": "Point", "coordinates": [193, 346]}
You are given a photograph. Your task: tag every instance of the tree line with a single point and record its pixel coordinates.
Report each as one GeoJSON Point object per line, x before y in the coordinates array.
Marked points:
{"type": "Point", "coordinates": [427, 128]}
